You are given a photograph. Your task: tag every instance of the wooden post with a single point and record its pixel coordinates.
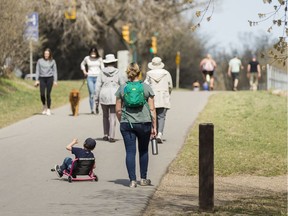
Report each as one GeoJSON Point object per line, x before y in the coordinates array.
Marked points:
{"type": "Point", "coordinates": [206, 167]}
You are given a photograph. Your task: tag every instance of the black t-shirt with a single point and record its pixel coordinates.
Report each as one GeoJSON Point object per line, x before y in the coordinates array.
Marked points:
{"type": "Point", "coordinates": [253, 66]}
{"type": "Point", "coordinates": [82, 153]}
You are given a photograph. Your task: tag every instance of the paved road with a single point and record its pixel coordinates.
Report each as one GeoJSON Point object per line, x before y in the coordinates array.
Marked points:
{"type": "Point", "coordinates": [30, 148]}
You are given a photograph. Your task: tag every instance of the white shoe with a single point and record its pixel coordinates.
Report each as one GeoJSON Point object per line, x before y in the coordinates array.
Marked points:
{"type": "Point", "coordinates": [145, 182]}
{"type": "Point", "coordinates": [44, 110]}
{"type": "Point", "coordinates": [133, 184]}
{"type": "Point", "coordinates": [159, 137]}
{"type": "Point", "coordinates": [48, 112]}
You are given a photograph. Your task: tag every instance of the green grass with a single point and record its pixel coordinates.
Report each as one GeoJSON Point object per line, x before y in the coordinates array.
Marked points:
{"type": "Point", "coordinates": [19, 99]}
{"type": "Point", "coordinates": [250, 138]}
{"type": "Point", "coordinates": [250, 135]}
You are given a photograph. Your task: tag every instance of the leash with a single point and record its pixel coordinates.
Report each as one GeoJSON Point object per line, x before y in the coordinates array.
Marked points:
{"type": "Point", "coordinates": [82, 84]}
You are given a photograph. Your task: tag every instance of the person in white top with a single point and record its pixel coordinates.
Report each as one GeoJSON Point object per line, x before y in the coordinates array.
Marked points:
{"type": "Point", "coordinates": [161, 83]}
{"type": "Point", "coordinates": [235, 65]}
{"type": "Point", "coordinates": [94, 65]}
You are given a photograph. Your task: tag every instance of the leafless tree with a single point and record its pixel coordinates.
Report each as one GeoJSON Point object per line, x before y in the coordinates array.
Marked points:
{"type": "Point", "coordinates": [278, 17]}
{"type": "Point", "coordinates": [99, 21]}
{"type": "Point", "coordinates": [96, 21]}
{"type": "Point", "coordinates": [13, 47]}
{"type": "Point", "coordinates": [95, 17]}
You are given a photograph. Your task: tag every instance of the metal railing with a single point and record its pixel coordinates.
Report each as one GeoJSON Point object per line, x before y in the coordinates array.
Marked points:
{"type": "Point", "coordinates": [276, 78]}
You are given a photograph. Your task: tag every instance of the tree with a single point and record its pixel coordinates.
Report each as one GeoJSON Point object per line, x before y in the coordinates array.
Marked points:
{"type": "Point", "coordinates": [14, 50]}
{"type": "Point", "coordinates": [99, 22]}
{"type": "Point", "coordinates": [279, 17]}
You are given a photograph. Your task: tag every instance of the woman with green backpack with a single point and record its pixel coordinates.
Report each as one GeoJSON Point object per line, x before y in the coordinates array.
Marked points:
{"type": "Point", "coordinates": [136, 112]}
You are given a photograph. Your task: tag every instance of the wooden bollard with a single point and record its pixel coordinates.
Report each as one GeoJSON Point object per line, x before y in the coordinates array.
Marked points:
{"type": "Point", "coordinates": [206, 167]}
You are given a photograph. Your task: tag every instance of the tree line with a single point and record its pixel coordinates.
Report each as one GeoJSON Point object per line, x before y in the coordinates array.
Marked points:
{"type": "Point", "coordinates": [99, 23]}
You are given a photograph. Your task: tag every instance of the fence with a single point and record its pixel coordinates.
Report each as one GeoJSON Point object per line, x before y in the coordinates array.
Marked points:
{"type": "Point", "coordinates": [276, 78]}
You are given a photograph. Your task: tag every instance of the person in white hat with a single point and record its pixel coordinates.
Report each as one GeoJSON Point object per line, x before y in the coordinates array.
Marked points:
{"type": "Point", "coordinates": [161, 82]}
{"type": "Point", "coordinates": [107, 84]}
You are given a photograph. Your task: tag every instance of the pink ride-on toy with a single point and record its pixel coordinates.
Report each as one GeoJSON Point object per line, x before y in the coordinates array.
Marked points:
{"type": "Point", "coordinates": [81, 167]}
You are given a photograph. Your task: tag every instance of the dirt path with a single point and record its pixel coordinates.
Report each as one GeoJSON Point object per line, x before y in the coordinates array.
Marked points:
{"type": "Point", "coordinates": [178, 195]}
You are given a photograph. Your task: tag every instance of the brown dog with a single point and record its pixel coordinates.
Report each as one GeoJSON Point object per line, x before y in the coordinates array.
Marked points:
{"type": "Point", "coordinates": [74, 99]}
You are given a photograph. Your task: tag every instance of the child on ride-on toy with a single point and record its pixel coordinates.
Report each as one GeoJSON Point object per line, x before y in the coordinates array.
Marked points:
{"type": "Point", "coordinates": [85, 152]}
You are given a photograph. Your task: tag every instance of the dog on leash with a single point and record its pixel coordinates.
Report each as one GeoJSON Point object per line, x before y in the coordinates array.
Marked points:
{"type": "Point", "coordinates": [74, 99]}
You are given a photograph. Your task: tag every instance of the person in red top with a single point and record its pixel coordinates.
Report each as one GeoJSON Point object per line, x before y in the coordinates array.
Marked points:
{"type": "Point", "coordinates": [207, 67]}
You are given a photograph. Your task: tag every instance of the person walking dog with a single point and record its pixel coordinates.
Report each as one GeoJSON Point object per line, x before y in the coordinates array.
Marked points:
{"type": "Point", "coordinates": [94, 65]}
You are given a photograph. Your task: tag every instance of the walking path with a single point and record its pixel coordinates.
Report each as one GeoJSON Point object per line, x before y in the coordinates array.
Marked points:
{"type": "Point", "coordinates": [30, 148]}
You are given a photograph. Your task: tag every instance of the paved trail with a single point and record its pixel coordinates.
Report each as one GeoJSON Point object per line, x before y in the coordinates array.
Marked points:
{"type": "Point", "coordinates": [30, 148]}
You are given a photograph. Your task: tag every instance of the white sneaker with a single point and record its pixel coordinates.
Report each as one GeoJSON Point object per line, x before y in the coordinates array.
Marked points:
{"type": "Point", "coordinates": [145, 182]}
{"type": "Point", "coordinates": [159, 137]}
{"type": "Point", "coordinates": [48, 112]}
{"type": "Point", "coordinates": [44, 110]}
{"type": "Point", "coordinates": [133, 184]}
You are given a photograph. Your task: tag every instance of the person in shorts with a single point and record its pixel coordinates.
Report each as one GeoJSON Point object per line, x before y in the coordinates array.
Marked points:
{"type": "Point", "coordinates": [235, 65]}
{"type": "Point", "coordinates": [207, 67]}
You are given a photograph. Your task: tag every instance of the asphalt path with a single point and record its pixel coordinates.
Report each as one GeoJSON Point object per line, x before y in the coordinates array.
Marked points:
{"type": "Point", "coordinates": [31, 147]}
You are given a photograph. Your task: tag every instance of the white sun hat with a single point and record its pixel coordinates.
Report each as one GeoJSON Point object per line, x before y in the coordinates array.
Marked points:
{"type": "Point", "coordinates": [110, 58]}
{"type": "Point", "coordinates": [156, 63]}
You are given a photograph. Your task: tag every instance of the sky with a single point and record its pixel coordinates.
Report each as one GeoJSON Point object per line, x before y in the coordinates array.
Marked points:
{"type": "Point", "coordinates": [230, 19]}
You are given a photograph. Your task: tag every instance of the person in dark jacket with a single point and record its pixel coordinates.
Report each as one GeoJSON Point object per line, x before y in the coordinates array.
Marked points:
{"type": "Point", "coordinates": [253, 73]}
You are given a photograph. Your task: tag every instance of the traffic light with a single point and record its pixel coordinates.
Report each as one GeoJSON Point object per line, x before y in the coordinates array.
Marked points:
{"type": "Point", "coordinates": [126, 33]}
{"type": "Point", "coordinates": [70, 12]}
{"type": "Point", "coordinates": [153, 48]}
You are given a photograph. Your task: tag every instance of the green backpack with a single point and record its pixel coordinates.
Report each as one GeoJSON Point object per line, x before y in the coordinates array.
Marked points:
{"type": "Point", "coordinates": [134, 94]}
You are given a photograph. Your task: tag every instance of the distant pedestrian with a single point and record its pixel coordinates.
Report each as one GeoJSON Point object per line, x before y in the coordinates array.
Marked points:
{"type": "Point", "coordinates": [107, 84]}
{"type": "Point", "coordinates": [235, 65]}
{"type": "Point", "coordinates": [161, 83]}
{"type": "Point", "coordinates": [138, 122]}
{"type": "Point", "coordinates": [94, 64]}
{"type": "Point", "coordinates": [196, 85]}
{"type": "Point", "coordinates": [46, 77]}
{"type": "Point", "coordinates": [253, 73]}
{"type": "Point", "coordinates": [207, 67]}
{"type": "Point", "coordinates": [84, 152]}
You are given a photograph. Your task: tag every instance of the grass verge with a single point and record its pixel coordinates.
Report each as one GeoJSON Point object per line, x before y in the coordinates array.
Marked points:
{"type": "Point", "coordinates": [250, 135]}
{"type": "Point", "coordinates": [250, 138]}
{"type": "Point", "coordinates": [19, 99]}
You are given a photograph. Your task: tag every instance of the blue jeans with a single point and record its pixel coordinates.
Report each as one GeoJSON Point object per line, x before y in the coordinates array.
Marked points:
{"type": "Point", "coordinates": [91, 83]}
{"type": "Point", "coordinates": [66, 165]}
{"type": "Point", "coordinates": [142, 132]}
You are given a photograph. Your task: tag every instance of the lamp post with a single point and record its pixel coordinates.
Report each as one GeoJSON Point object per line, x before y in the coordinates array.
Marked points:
{"type": "Point", "coordinates": [177, 61]}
